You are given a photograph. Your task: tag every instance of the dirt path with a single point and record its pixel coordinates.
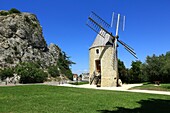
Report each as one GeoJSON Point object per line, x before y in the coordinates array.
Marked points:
{"type": "Point", "coordinates": [125, 87]}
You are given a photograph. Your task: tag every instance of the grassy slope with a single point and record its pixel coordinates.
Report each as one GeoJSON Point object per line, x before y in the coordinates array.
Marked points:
{"type": "Point", "coordinates": [53, 99]}
{"type": "Point", "coordinates": [161, 87]}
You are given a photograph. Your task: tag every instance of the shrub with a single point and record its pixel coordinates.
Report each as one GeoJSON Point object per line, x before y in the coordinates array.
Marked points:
{"type": "Point", "coordinates": [7, 72]}
{"type": "Point", "coordinates": [27, 19]}
{"type": "Point", "coordinates": [30, 73]}
{"type": "Point", "coordinates": [34, 25]}
{"type": "Point", "coordinates": [40, 76]}
{"type": "Point", "coordinates": [13, 10]}
{"type": "Point", "coordinates": [53, 71]}
{"type": "Point", "coordinates": [3, 13]}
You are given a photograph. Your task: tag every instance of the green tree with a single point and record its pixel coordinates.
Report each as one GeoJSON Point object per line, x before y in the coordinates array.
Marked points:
{"type": "Point", "coordinates": [165, 69]}
{"type": "Point", "coordinates": [6, 72]}
{"type": "Point", "coordinates": [14, 10]}
{"type": "Point", "coordinates": [54, 71]}
{"type": "Point", "coordinates": [64, 64]}
{"type": "Point", "coordinates": [122, 71]}
{"type": "Point", "coordinates": [144, 75]}
{"type": "Point", "coordinates": [80, 75]}
{"type": "Point", "coordinates": [153, 68]}
{"type": "Point", "coordinates": [157, 68]}
{"type": "Point", "coordinates": [135, 71]}
{"type": "Point", "coordinates": [129, 77]}
{"type": "Point", "coordinates": [30, 73]}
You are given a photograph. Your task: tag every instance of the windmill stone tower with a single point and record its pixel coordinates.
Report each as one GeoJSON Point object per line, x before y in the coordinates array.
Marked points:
{"type": "Point", "coordinates": [101, 60]}
{"type": "Point", "coordinates": [103, 52]}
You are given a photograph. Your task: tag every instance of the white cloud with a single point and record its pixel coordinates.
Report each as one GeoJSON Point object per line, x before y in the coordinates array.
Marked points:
{"type": "Point", "coordinates": [80, 71]}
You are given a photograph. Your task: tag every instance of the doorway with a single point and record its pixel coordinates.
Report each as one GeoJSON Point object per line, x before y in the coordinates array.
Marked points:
{"type": "Point", "coordinates": [98, 65]}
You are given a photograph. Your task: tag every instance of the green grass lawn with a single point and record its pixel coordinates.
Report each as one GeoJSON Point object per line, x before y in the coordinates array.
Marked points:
{"type": "Point", "coordinates": [161, 87]}
{"type": "Point", "coordinates": [57, 99]}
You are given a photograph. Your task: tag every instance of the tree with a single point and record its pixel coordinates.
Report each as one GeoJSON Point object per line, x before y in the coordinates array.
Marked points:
{"type": "Point", "coordinates": [129, 77]}
{"type": "Point", "coordinates": [30, 73]}
{"type": "Point", "coordinates": [144, 75]}
{"type": "Point", "coordinates": [6, 72]}
{"type": "Point", "coordinates": [165, 69]}
{"type": "Point", "coordinates": [54, 71]}
{"type": "Point", "coordinates": [135, 71]}
{"type": "Point", "coordinates": [14, 10]}
{"type": "Point", "coordinates": [80, 76]}
{"type": "Point", "coordinates": [157, 68]}
{"type": "Point", "coordinates": [64, 64]}
{"type": "Point", "coordinates": [153, 68]}
{"type": "Point", "coordinates": [122, 71]}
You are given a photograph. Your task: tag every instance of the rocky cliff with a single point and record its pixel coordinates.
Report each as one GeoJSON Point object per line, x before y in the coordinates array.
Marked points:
{"type": "Point", "coordinates": [21, 40]}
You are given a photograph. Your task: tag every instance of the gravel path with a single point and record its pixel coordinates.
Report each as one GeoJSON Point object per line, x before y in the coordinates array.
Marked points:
{"type": "Point", "coordinates": [125, 87]}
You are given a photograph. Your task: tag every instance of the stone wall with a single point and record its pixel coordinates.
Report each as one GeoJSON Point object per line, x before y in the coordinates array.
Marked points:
{"type": "Point", "coordinates": [108, 74]}
{"type": "Point", "coordinates": [21, 40]}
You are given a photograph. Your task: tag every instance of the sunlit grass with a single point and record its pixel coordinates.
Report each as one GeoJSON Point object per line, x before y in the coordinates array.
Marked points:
{"type": "Point", "coordinates": [161, 87]}
{"type": "Point", "coordinates": [57, 99]}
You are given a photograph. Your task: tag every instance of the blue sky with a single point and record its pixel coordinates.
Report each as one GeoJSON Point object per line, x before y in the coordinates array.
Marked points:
{"type": "Point", "coordinates": [64, 23]}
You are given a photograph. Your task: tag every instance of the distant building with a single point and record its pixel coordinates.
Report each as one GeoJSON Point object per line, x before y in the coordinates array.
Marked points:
{"type": "Point", "coordinates": [75, 77]}
{"type": "Point", "coordinates": [85, 76]}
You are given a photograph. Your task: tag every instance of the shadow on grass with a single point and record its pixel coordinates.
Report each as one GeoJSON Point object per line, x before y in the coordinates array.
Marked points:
{"type": "Point", "coordinates": [147, 106]}
{"type": "Point", "coordinates": [79, 83]}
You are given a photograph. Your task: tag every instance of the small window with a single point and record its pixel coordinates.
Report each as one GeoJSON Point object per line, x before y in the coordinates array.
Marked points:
{"type": "Point", "coordinates": [97, 51]}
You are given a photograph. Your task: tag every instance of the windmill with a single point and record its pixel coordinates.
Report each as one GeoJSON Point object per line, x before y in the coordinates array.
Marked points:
{"type": "Point", "coordinates": [108, 44]}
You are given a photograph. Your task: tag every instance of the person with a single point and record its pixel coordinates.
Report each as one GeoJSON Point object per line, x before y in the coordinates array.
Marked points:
{"type": "Point", "coordinates": [15, 80]}
{"type": "Point", "coordinates": [7, 80]}
{"type": "Point", "coordinates": [98, 77]}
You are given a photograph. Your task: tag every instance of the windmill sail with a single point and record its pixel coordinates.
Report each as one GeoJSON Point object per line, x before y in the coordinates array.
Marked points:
{"type": "Point", "coordinates": [97, 27]}
{"type": "Point", "coordinates": [128, 48]}
{"type": "Point", "coordinates": [118, 20]}
{"type": "Point", "coordinates": [99, 20]}
{"type": "Point", "coordinates": [106, 39]}
{"type": "Point", "coordinates": [97, 24]}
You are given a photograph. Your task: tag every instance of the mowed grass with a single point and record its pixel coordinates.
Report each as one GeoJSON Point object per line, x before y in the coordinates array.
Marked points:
{"type": "Point", "coordinates": [55, 99]}
{"type": "Point", "coordinates": [161, 87]}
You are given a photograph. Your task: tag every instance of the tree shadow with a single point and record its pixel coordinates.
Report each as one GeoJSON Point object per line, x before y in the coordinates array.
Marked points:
{"type": "Point", "coordinates": [147, 106]}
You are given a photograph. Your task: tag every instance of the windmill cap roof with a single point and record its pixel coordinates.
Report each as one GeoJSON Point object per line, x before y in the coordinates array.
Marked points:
{"type": "Point", "coordinates": [101, 41]}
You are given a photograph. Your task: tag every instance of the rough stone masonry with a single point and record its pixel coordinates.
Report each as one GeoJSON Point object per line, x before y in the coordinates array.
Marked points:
{"type": "Point", "coordinates": [21, 40]}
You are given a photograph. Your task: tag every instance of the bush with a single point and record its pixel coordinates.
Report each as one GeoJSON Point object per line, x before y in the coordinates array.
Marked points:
{"type": "Point", "coordinates": [27, 19]}
{"type": "Point", "coordinates": [30, 73]}
{"type": "Point", "coordinates": [13, 10]}
{"type": "Point", "coordinates": [34, 25]}
{"type": "Point", "coordinates": [53, 71]}
{"type": "Point", "coordinates": [40, 76]}
{"type": "Point", "coordinates": [7, 72]}
{"type": "Point", "coordinates": [3, 13]}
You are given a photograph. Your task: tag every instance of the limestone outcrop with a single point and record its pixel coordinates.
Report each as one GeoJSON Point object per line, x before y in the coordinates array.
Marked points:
{"type": "Point", "coordinates": [21, 40]}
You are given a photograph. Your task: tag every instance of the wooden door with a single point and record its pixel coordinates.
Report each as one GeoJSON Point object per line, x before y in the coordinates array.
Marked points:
{"type": "Point", "coordinates": [98, 65]}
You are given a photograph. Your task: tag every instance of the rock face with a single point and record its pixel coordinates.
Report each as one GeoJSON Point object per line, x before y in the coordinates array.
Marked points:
{"type": "Point", "coordinates": [21, 40]}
